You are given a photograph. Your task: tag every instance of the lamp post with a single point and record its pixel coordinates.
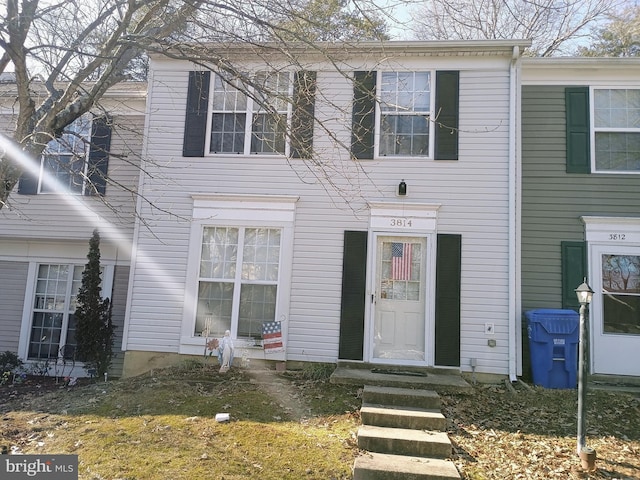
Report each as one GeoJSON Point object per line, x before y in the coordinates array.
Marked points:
{"type": "Point", "coordinates": [585, 294]}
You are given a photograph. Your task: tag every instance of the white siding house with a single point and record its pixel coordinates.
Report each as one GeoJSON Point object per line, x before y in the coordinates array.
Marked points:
{"type": "Point", "coordinates": [307, 233]}
{"type": "Point", "coordinates": [44, 234]}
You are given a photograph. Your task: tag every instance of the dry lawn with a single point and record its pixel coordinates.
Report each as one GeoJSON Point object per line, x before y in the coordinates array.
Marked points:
{"type": "Point", "coordinates": [287, 426]}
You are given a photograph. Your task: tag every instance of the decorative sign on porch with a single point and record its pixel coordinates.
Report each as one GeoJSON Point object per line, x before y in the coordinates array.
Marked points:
{"type": "Point", "coordinates": [272, 337]}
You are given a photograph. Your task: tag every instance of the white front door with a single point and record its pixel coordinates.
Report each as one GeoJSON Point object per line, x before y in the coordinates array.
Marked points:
{"type": "Point", "coordinates": [399, 320]}
{"type": "Point", "coordinates": [615, 310]}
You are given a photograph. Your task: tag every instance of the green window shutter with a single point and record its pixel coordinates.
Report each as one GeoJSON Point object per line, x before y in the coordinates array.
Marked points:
{"type": "Point", "coordinates": [99, 156]}
{"type": "Point", "coordinates": [447, 325]}
{"type": "Point", "coordinates": [363, 115]}
{"type": "Point", "coordinates": [574, 271]}
{"type": "Point", "coordinates": [302, 118]}
{"type": "Point", "coordinates": [195, 125]}
{"type": "Point", "coordinates": [578, 130]}
{"type": "Point", "coordinates": [446, 115]}
{"type": "Point", "coordinates": [354, 275]}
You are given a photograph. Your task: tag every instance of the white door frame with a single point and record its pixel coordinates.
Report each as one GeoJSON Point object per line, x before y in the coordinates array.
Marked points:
{"type": "Point", "coordinates": [388, 219]}
{"type": "Point", "coordinates": [608, 235]}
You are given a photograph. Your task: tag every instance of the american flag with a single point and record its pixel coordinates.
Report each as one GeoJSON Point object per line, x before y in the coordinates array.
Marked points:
{"type": "Point", "coordinates": [400, 261]}
{"type": "Point", "coordinates": [272, 337]}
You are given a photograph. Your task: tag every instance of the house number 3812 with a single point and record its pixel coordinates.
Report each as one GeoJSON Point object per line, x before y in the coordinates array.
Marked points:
{"type": "Point", "coordinates": [617, 236]}
{"type": "Point", "coordinates": [400, 222]}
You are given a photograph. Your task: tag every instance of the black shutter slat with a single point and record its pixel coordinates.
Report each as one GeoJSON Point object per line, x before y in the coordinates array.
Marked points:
{"type": "Point", "coordinates": [303, 115]}
{"type": "Point", "coordinates": [195, 125]}
{"type": "Point", "coordinates": [99, 156]}
{"type": "Point", "coordinates": [574, 270]}
{"type": "Point", "coordinates": [446, 115]}
{"type": "Point", "coordinates": [28, 183]}
{"type": "Point", "coordinates": [447, 321]}
{"type": "Point", "coordinates": [354, 271]}
{"type": "Point", "coordinates": [578, 130]}
{"type": "Point", "coordinates": [363, 115]}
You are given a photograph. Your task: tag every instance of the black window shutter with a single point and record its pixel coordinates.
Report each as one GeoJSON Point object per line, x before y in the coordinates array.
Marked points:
{"type": "Point", "coordinates": [354, 271]}
{"type": "Point", "coordinates": [574, 271]}
{"type": "Point", "coordinates": [363, 115]}
{"type": "Point", "coordinates": [195, 124]}
{"type": "Point", "coordinates": [302, 119]}
{"type": "Point", "coordinates": [446, 115]}
{"type": "Point", "coordinates": [28, 182]}
{"type": "Point", "coordinates": [447, 331]}
{"type": "Point", "coordinates": [578, 150]}
{"type": "Point", "coordinates": [99, 156]}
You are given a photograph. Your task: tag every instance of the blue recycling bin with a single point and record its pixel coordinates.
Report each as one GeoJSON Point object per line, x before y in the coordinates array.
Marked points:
{"type": "Point", "coordinates": [554, 336]}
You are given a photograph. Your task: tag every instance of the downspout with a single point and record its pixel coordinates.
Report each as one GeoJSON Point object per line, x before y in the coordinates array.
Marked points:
{"type": "Point", "coordinates": [514, 214]}
{"type": "Point", "coordinates": [136, 226]}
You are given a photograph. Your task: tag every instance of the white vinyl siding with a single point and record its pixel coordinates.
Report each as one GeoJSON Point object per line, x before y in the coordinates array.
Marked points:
{"type": "Point", "coordinates": [81, 214]}
{"type": "Point", "coordinates": [473, 192]}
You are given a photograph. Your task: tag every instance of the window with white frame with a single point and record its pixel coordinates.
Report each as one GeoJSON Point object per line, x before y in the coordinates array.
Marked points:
{"type": "Point", "coordinates": [238, 280]}
{"type": "Point", "coordinates": [52, 333]}
{"type": "Point", "coordinates": [65, 159]}
{"type": "Point", "coordinates": [621, 294]}
{"type": "Point", "coordinates": [616, 129]}
{"type": "Point", "coordinates": [405, 113]}
{"type": "Point", "coordinates": [250, 119]}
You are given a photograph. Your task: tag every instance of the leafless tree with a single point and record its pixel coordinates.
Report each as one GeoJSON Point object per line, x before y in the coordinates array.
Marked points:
{"type": "Point", "coordinates": [65, 54]}
{"type": "Point", "coordinates": [553, 26]}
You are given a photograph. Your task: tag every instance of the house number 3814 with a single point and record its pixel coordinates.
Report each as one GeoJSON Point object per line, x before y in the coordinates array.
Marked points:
{"type": "Point", "coordinates": [617, 236]}
{"type": "Point", "coordinates": [400, 222]}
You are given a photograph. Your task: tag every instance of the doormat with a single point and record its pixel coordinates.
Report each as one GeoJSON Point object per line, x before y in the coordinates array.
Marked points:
{"type": "Point", "coordinates": [399, 372]}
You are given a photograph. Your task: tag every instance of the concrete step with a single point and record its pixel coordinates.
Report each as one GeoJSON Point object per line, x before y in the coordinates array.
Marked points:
{"type": "Point", "coordinates": [440, 382]}
{"type": "Point", "coordinates": [382, 466]}
{"type": "Point", "coordinates": [402, 441]}
{"type": "Point", "coordinates": [402, 417]}
{"type": "Point", "coordinates": [401, 397]}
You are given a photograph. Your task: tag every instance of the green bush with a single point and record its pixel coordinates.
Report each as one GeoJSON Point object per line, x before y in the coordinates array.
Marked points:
{"type": "Point", "coordinates": [9, 361]}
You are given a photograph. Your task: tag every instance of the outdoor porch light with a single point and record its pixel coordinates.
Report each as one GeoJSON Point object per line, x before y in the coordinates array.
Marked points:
{"type": "Point", "coordinates": [587, 455]}
{"type": "Point", "coordinates": [402, 189]}
{"type": "Point", "coordinates": [584, 293]}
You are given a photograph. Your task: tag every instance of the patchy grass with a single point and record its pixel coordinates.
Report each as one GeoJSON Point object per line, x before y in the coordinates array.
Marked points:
{"type": "Point", "coordinates": [163, 426]}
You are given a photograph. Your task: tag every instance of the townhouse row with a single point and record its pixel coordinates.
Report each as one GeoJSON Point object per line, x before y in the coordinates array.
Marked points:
{"type": "Point", "coordinates": [402, 203]}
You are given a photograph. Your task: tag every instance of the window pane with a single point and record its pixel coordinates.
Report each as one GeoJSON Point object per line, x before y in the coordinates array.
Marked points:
{"type": "Point", "coordinates": [45, 335]}
{"type": "Point", "coordinates": [621, 293]}
{"type": "Point", "coordinates": [261, 254]}
{"type": "Point", "coordinates": [268, 133]}
{"type": "Point", "coordinates": [227, 132]}
{"type": "Point", "coordinates": [215, 302]}
{"type": "Point", "coordinates": [64, 158]}
{"type": "Point", "coordinates": [617, 151]}
{"type": "Point", "coordinates": [400, 272]}
{"type": "Point", "coordinates": [257, 305]}
{"type": "Point", "coordinates": [219, 253]}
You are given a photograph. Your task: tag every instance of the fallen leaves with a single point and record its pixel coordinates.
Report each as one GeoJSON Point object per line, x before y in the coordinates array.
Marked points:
{"type": "Point", "coordinates": [526, 433]}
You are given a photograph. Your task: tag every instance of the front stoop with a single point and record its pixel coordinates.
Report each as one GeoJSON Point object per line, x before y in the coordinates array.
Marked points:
{"type": "Point", "coordinates": [382, 466]}
{"type": "Point", "coordinates": [403, 432]}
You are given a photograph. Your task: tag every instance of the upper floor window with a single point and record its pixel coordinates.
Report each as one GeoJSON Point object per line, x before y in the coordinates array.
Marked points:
{"type": "Point", "coordinates": [409, 114]}
{"type": "Point", "coordinates": [405, 113]}
{"type": "Point", "coordinates": [64, 160]}
{"type": "Point", "coordinates": [251, 120]}
{"type": "Point", "coordinates": [75, 163]}
{"type": "Point", "coordinates": [616, 130]}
